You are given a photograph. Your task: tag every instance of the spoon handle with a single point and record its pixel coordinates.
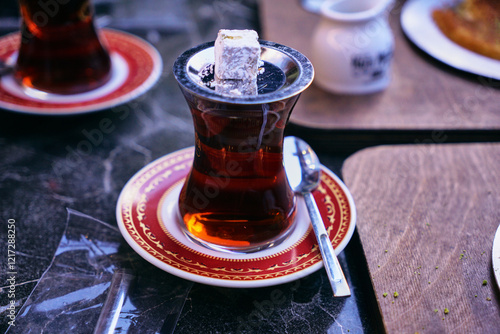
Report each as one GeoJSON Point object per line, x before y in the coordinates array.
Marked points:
{"type": "Point", "coordinates": [332, 265]}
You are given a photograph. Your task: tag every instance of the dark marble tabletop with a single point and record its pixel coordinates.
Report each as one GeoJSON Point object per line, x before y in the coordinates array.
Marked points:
{"type": "Point", "coordinates": [45, 175]}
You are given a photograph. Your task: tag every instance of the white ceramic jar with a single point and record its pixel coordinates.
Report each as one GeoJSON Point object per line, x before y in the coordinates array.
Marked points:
{"type": "Point", "coordinates": [352, 47]}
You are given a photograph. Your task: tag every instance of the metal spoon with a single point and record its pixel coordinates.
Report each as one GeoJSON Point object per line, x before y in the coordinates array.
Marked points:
{"type": "Point", "coordinates": [303, 172]}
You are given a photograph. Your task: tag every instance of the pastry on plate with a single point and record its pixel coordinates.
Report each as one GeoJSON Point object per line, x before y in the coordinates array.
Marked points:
{"type": "Point", "coordinates": [473, 24]}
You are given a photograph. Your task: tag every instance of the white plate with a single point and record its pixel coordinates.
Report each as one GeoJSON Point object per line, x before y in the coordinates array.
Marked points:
{"type": "Point", "coordinates": [495, 256]}
{"type": "Point", "coordinates": [418, 25]}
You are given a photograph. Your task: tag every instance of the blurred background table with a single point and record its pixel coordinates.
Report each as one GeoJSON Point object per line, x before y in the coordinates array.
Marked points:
{"type": "Point", "coordinates": [40, 181]}
{"type": "Point", "coordinates": [426, 102]}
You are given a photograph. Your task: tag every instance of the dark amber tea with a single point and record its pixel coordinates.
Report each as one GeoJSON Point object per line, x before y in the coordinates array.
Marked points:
{"type": "Point", "coordinates": [60, 50]}
{"type": "Point", "coordinates": [236, 196]}
{"type": "Point", "coordinates": [237, 193]}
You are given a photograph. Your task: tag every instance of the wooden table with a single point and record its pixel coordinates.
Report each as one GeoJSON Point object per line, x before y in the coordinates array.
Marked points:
{"type": "Point", "coordinates": [427, 215]}
{"type": "Point", "coordinates": [427, 101]}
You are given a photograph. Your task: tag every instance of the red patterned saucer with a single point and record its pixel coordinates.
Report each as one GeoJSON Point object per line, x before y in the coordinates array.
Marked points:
{"type": "Point", "coordinates": [147, 218]}
{"type": "Point", "coordinates": [136, 67]}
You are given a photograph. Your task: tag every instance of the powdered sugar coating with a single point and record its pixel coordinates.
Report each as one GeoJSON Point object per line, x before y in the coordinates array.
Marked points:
{"type": "Point", "coordinates": [237, 61]}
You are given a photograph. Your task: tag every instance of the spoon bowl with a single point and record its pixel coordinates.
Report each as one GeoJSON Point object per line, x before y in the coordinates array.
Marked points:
{"type": "Point", "coordinates": [302, 165]}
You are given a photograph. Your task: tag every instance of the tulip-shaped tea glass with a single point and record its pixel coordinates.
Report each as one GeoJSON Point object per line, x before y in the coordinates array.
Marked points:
{"type": "Point", "coordinates": [60, 50]}
{"type": "Point", "coordinates": [236, 196]}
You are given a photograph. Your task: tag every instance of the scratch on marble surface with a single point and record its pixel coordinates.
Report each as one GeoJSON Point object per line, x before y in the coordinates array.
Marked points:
{"type": "Point", "coordinates": [284, 322]}
{"type": "Point", "coordinates": [144, 119]}
{"type": "Point", "coordinates": [187, 309]}
{"type": "Point", "coordinates": [342, 328]}
{"type": "Point", "coordinates": [75, 269]}
{"type": "Point", "coordinates": [65, 199]}
{"type": "Point", "coordinates": [174, 121]}
{"type": "Point", "coordinates": [298, 308]}
{"type": "Point", "coordinates": [11, 176]}
{"type": "Point", "coordinates": [18, 285]}
{"type": "Point", "coordinates": [108, 168]}
{"type": "Point", "coordinates": [179, 124]}
{"type": "Point", "coordinates": [84, 309]}
{"type": "Point", "coordinates": [32, 256]}
{"type": "Point", "coordinates": [16, 174]}
{"type": "Point", "coordinates": [327, 312]}
{"type": "Point", "coordinates": [150, 309]}
{"type": "Point", "coordinates": [148, 156]}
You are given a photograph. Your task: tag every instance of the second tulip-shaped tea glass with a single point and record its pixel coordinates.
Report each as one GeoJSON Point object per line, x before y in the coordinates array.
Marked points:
{"type": "Point", "coordinates": [60, 50]}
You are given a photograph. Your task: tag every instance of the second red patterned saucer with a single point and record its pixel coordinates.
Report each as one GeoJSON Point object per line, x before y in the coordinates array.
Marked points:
{"type": "Point", "coordinates": [136, 67]}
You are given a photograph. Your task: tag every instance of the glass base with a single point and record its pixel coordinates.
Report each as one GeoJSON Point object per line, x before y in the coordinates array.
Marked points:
{"type": "Point", "coordinates": [237, 249]}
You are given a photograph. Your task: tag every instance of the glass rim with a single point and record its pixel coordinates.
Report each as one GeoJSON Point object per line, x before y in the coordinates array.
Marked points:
{"type": "Point", "coordinates": [300, 83]}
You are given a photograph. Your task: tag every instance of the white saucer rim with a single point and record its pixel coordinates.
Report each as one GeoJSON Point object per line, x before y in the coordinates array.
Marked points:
{"type": "Point", "coordinates": [91, 108]}
{"type": "Point", "coordinates": [120, 72]}
{"type": "Point", "coordinates": [225, 282]}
